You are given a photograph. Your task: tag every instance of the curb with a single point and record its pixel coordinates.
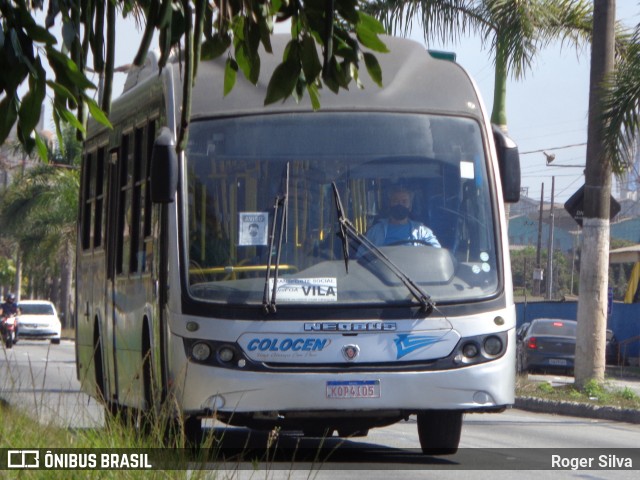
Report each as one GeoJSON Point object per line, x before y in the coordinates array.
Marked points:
{"type": "Point", "coordinates": [576, 409]}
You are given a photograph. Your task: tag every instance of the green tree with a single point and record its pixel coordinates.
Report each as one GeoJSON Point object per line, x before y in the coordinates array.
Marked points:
{"type": "Point", "coordinates": [39, 210]}
{"type": "Point", "coordinates": [621, 106]}
{"type": "Point", "coordinates": [7, 271]}
{"type": "Point", "coordinates": [522, 264]}
{"type": "Point", "coordinates": [235, 27]}
{"type": "Point", "coordinates": [513, 30]}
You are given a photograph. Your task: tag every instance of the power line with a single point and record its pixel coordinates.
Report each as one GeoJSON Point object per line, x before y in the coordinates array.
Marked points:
{"type": "Point", "coordinates": [554, 148]}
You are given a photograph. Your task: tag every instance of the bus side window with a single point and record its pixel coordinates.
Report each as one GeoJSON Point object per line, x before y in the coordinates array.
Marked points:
{"type": "Point", "coordinates": [135, 254]}
{"type": "Point", "coordinates": [123, 225]}
{"type": "Point", "coordinates": [147, 213]}
{"type": "Point", "coordinates": [87, 202]}
{"type": "Point", "coordinates": [98, 218]}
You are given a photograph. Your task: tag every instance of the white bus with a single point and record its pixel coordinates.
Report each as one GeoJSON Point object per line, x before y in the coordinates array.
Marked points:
{"type": "Point", "coordinates": [246, 271]}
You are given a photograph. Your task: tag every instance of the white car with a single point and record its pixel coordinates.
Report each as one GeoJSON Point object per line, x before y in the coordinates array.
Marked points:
{"type": "Point", "coordinates": [38, 319]}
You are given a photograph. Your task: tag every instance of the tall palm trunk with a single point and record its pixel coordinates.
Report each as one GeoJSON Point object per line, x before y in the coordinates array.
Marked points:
{"type": "Point", "coordinates": [18, 278]}
{"type": "Point", "coordinates": [66, 288]}
{"type": "Point", "coordinates": [594, 261]}
{"type": "Point", "coordinates": [499, 110]}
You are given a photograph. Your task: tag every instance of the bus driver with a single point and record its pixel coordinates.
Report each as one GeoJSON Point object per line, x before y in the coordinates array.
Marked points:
{"type": "Point", "coordinates": [399, 228]}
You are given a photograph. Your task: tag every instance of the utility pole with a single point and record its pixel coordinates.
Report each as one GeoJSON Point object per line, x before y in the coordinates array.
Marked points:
{"type": "Point", "coordinates": [594, 258]}
{"type": "Point", "coordinates": [550, 243]}
{"type": "Point", "coordinates": [538, 273]}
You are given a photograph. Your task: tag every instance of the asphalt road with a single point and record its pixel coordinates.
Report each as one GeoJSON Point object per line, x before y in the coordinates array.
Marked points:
{"type": "Point", "coordinates": [41, 379]}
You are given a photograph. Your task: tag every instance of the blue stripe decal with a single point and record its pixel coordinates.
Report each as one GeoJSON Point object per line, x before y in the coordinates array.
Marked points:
{"type": "Point", "coordinates": [407, 343]}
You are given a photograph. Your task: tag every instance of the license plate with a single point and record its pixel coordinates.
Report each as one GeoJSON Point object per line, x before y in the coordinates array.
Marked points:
{"type": "Point", "coordinates": [558, 361]}
{"type": "Point", "coordinates": [353, 389]}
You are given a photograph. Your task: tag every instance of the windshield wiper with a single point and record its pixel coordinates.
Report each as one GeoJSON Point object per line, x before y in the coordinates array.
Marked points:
{"type": "Point", "coordinates": [347, 228]}
{"type": "Point", "coordinates": [342, 219]}
{"type": "Point", "coordinates": [280, 209]}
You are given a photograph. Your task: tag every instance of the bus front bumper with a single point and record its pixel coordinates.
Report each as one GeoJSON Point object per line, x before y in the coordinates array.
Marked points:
{"type": "Point", "coordinates": [206, 390]}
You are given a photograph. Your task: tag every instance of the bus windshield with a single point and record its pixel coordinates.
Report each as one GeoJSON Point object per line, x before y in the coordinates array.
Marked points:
{"type": "Point", "coordinates": [267, 197]}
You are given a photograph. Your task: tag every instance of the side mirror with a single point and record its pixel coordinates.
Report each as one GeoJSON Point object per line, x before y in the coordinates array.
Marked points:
{"type": "Point", "coordinates": [509, 164]}
{"type": "Point", "coordinates": [164, 168]}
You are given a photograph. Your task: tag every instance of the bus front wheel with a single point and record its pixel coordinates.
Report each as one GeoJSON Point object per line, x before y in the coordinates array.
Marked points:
{"type": "Point", "coordinates": [439, 431]}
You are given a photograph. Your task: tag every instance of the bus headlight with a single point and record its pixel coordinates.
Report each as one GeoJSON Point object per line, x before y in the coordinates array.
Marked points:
{"type": "Point", "coordinates": [200, 351]}
{"type": "Point", "coordinates": [493, 345]}
{"type": "Point", "coordinates": [479, 349]}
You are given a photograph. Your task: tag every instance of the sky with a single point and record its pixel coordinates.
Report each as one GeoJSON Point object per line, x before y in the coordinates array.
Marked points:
{"type": "Point", "coordinates": [547, 110]}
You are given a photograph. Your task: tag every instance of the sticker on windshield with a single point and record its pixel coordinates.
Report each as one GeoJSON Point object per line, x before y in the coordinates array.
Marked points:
{"type": "Point", "coordinates": [466, 170]}
{"type": "Point", "coordinates": [252, 228]}
{"type": "Point", "coordinates": [306, 290]}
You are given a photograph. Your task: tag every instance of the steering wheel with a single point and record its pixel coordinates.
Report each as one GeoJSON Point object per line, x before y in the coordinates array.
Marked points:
{"type": "Point", "coordinates": [409, 240]}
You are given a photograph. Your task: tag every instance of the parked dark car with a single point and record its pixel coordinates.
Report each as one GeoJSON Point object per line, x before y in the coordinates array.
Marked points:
{"type": "Point", "coordinates": [548, 345]}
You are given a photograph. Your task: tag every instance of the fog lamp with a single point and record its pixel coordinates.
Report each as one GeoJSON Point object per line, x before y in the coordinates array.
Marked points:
{"type": "Point", "coordinates": [214, 403]}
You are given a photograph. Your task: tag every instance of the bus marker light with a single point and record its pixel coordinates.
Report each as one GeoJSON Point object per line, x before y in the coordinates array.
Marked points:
{"type": "Point", "coordinates": [498, 321]}
{"type": "Point", "coordinates": [192, 326]}
{"type": "Point", "coordinates": [201, 351]}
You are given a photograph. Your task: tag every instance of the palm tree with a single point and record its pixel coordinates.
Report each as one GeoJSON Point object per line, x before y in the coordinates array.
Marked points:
{"type": "Point", "coordinates": [621, 106]}
{"type": "Point", "coordinates": [39, 210]}
{"type": "Point", "coordinates": [614, 125]}
{"type": "Point", "coordinates": [513, 30]}
{"type": "Point", "coordinates": [594, 259]}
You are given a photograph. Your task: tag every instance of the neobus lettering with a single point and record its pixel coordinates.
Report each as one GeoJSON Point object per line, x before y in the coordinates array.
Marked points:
{"type": "Point", "coordinates": [288, 344]}
{"type": "Point", "coordinates": [351, 326]}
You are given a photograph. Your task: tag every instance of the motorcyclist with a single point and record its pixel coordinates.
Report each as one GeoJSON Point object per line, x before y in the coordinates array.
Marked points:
{"type": "Point", "coordinates": [9, 307]}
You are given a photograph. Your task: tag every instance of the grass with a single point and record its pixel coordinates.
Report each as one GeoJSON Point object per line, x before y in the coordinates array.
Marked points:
{"type": "Point", "coordinates": [19, 430]}
{"type": "Point", "coordinates": [162, 434]}
{"type": "Point", "coordinates": [593, 393]}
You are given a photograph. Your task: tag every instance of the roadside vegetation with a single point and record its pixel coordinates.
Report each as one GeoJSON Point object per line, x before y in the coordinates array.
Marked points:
{"type": "Point", "coordinates": [593, 393]}
{"type": "Point", "coordinates": [19, 430]}
{"type": "Point", "coordinates": [161, 433]}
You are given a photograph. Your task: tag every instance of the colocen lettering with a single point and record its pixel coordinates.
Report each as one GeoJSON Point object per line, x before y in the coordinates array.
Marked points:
{"type": "Point", "coordinates": [288, 344]}
{"type": "Point", "coordinates": [350, 327]}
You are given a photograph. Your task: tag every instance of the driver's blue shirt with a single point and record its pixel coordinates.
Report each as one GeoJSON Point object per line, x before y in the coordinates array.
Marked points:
{"type": "Point", "coordinates": [385, 233]}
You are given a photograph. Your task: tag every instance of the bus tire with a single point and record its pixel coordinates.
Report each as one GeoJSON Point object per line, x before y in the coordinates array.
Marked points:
{"type": "Point", "coordinates": [193, 432]}
{"type": "Point", "coordinates": [98, 367]}
{"type": "Point", "coordinates": [439, 431]}
{"type": "Point", "coordinates": [148, 412]}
